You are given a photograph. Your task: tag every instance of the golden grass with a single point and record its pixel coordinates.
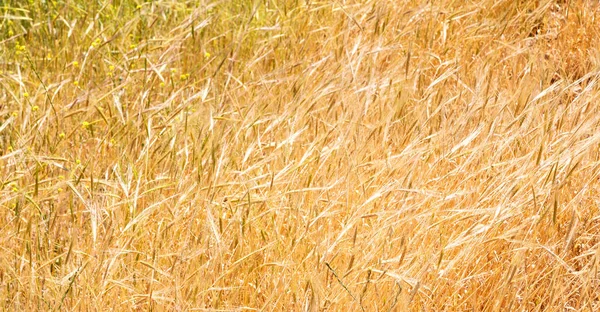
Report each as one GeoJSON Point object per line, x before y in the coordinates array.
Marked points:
{"type": "Point", "coordinates": [297, 155]}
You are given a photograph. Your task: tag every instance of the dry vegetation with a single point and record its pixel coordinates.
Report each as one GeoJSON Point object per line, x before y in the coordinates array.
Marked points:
{"type": "Point", "coordinates": [297, 155]}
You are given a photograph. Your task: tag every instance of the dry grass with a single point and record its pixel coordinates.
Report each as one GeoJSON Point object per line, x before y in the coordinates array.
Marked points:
{"type": "Point", "coordinates": [297, 155]}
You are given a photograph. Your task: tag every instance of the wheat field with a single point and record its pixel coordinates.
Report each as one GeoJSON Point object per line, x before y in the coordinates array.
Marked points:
{"type": "Point", "coordinates": [299, 155]}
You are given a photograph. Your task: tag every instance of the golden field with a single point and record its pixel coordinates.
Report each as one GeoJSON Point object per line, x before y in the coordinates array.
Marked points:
{"type": "Point", "coordinates": [296, 155]}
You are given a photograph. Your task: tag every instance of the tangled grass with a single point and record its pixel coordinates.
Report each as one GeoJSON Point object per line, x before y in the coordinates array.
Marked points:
{"type": "Point", "coordinates": [298, 155]}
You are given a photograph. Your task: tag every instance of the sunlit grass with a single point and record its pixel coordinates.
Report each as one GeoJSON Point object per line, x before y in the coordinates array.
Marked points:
{"type": "Point", "coordinates": [299, 155]}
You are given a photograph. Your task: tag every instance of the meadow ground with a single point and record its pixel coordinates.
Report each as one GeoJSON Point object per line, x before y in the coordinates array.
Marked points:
{"type": "Point", "coordinates": [296, 155]}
